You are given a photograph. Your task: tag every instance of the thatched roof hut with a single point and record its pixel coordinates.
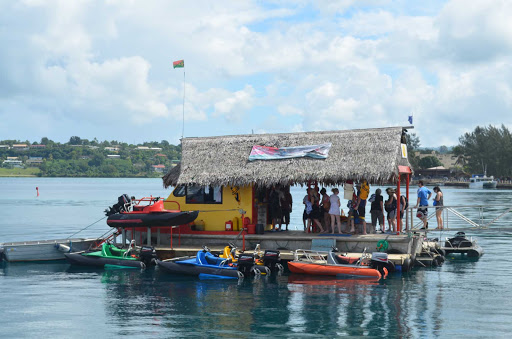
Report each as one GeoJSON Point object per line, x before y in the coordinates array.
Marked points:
{"type": "Point", "coordinates": [374, 154]}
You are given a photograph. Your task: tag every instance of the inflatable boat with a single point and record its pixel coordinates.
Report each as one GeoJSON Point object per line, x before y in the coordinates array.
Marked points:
{"type": "Point", "coordinates": [110, 255]}
{"type": "Point", "coordinates": [332, 264]}
{"type": "Point", "coordinates": [148, 212]}
{"type": "Point", "coordinates": [205, 263]}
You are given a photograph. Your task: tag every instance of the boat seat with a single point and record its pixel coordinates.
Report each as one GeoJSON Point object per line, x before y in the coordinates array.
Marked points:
{"type": "Point", "coordinates": [105, 250]}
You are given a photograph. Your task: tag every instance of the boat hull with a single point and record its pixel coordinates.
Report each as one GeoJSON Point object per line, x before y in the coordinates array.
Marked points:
{"type": "Point", "coordinates": [175, 267]}
{"type": "Point", "coordinates": [84, 260]}
{"type": "Point", "coordinates": [332, 270]}
{"type": "Point", "coordinates": [42, 250]}
{"type": "Point", "coordinates": [153, 219]}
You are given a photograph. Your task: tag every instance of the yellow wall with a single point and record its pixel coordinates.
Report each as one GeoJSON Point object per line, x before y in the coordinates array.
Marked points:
{"type": "Point", "coordinates": [215, 221]}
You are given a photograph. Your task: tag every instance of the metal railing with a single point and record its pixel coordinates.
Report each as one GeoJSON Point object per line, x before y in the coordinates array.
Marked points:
{"type": "Point", "coordinates": [452, 216]}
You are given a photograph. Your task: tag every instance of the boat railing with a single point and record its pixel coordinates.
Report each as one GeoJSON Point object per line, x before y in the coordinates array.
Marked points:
{"type": "Point", "coordinates": [312, 256]}
{"type": "Point", "coordinates": [454, 218]}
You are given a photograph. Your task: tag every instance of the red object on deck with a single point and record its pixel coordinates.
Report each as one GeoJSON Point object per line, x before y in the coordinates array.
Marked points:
{"type": "Point", "coordinates": [251, 229]}
{"type": "Point", "coordinates": [229, 225]}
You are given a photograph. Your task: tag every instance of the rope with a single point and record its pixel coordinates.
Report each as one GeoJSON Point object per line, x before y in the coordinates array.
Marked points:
{"type": "Point", "coordinates": [83, 229]}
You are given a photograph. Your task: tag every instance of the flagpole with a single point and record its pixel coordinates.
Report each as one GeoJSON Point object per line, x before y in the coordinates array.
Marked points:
{"type": "Point", "coordinates": [183, 125]}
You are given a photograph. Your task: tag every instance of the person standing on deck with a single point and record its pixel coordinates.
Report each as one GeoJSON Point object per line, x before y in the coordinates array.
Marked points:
{"type": "Point", "coordinates": [307, 210]}
{"type": "Point", "coordinates": [424, 195]}
{"type": "Point", "coordinates": [274, 204]}
{"type": "Point", "coordinates": [377, 211]}
{"type": "Point", "coordinates": [314, 199]}
{"type": "Point", "coordinates": [362, 194]}
{"type": "Point", "coordinates": [335, 210]}
{"type": "Point", "coordinates": [438, 203]}
{"type": "Point", "coordinates": [390, 207]}
{"type": "Point", "coordinates": [325, 207]}
{"type": "Point", "coordinates": [286, 205]}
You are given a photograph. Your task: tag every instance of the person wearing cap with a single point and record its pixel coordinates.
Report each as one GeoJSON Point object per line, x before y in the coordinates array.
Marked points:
{"type": "Point", "coordinates": [390, 207]}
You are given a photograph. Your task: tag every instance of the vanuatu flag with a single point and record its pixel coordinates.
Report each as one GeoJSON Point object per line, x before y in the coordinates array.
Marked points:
{"type": "Point", "coordinates": [178, 64]}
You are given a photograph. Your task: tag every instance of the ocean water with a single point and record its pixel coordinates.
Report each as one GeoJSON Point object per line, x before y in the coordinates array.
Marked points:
{"type": "Point", "coordinates": [463, 298]}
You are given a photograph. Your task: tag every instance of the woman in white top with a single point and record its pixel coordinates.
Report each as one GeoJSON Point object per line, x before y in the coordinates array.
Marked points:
{"type": "Point", "coordinates": [334, 211]}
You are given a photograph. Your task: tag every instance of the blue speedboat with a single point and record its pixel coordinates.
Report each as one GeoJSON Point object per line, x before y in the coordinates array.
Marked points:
{"type": "Point", "coordinates": [207, 264]}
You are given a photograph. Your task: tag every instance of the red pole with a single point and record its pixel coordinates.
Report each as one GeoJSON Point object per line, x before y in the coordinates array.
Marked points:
{"type": "Point", "coordinates": [243, 240]}
{"type": "Point", "coordinates": [407, 192]}
{"type": "Point", "coordinates": [171, 237]}
{"type": "Point", "coordinates": [398, 205]}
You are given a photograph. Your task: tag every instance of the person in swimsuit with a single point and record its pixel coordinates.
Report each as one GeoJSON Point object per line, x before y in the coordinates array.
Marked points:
{"type": "Point", "coordinates": [438, 203]}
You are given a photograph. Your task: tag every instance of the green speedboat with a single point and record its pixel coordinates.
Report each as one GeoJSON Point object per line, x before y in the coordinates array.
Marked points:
{"type": "Point", "coordinates": [110, 255]}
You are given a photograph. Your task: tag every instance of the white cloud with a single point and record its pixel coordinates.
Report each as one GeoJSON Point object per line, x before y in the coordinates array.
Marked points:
{"type": "Point", "coordinates": [235, 105]}
{"type": "Point", "coordinates": [350, 64]}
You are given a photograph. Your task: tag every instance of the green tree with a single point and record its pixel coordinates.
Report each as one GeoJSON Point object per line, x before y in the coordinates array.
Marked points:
{"type": "Point", "coordinates": [75, 140]}
{"type": "Point", "coordinates": [429, 162]}
{"type": "Point", "coordinates": [487, 149]}
{"type": "Point", "coordinates": [413, 144]}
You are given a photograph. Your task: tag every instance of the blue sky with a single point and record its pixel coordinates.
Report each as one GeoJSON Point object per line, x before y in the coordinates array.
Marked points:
{"type": "Point", "coordinates": [104, 68]}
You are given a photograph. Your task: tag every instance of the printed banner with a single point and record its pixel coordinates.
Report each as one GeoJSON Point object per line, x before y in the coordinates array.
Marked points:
{"type": "Point", "coordinates": [273, 153]}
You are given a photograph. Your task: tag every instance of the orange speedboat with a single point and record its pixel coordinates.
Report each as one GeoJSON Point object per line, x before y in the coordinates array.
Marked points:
{"type": "Point", "coordinates": [330, 263]}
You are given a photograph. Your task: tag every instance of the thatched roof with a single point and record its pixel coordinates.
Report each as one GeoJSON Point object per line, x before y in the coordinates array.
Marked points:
{"type": "Point", "coordinates": [373, 154]}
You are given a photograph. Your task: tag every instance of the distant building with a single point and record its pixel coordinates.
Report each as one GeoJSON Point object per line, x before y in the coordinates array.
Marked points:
{"type": "Point", "coordinates": [20, 147]}
{"type": "Point", "coordinates": [112, 149]}
{"type": "Point", "coordinates": [143, 148]}
{"type": "Point", "coordinates": [34, 161]}
{"type": "Point", "coordinates": [37, 146]}
{"type": "Point", "coordinates": [85, 157]}
{"type": "Point", "coordinates": [158, 168]}
{"type": "Point", "coordinates": [155, 148]}
{"type": "Point", "coordinates": [160, 155]}
{"type": "Point", "coordinates": [113, 156]}
{"type": "Point", "coordinates": [13, 163]}
{"type": "Point", "coordinates": [12, 158]}
{"type": "Point", "coordinates": [5, 146]}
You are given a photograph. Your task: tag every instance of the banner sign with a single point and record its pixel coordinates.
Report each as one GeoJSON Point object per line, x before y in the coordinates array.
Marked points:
{"type": "Point", "coordinates": [274, 153]}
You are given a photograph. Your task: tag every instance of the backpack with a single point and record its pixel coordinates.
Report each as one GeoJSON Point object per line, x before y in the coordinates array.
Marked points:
{"type": "Point", "coordinates": [406, 202]}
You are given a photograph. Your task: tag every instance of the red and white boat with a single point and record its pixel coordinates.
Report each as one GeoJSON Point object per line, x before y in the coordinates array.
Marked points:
{"type": "Point", "coordinates": [147, 212]}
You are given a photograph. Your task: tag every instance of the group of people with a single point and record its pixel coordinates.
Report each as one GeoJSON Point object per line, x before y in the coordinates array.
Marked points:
{"type": "Point", "coordinates": [390, 206]}
{"type": "Point", "coordinates": [280, 203]}
{"type": "Point", "coordinates": [323, 212]}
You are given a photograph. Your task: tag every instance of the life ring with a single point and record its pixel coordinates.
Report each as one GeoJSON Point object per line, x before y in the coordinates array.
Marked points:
{"type": "Point", "coordinates": [382, 245]}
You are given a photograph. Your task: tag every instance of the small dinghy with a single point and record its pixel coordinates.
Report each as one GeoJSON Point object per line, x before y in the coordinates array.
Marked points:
{"type": "Point", "coordinates": [462, 245]}
{"type": "Point", "coordinates": [208, 265]}
{"type": "Point", "coordinates": [148, 212]}
{"type": "Point", "coordinates": [330, 263]}
{"type": "Point", "coordinates": [110, 255]}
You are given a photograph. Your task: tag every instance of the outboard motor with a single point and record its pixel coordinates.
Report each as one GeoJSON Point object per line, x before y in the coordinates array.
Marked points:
{"type": "Point", "coordinates": [246, 264]}
{"type": "Point", "coordinates": [272, 260]}
{"type": "Point", "coordinates": [380, 261]}
{"type": "Point", "coordinates": [147, 255]}
{"type": "Point", "coordinates": [124, 202]}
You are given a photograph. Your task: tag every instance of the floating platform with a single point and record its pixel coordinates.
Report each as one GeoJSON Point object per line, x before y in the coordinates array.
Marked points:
{"type": "Point", "coordinates": [42, 250]}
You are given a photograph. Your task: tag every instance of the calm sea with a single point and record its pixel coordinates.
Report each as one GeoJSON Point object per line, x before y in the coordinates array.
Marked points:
{"type": "Point", "coordinates": [460, 299]}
